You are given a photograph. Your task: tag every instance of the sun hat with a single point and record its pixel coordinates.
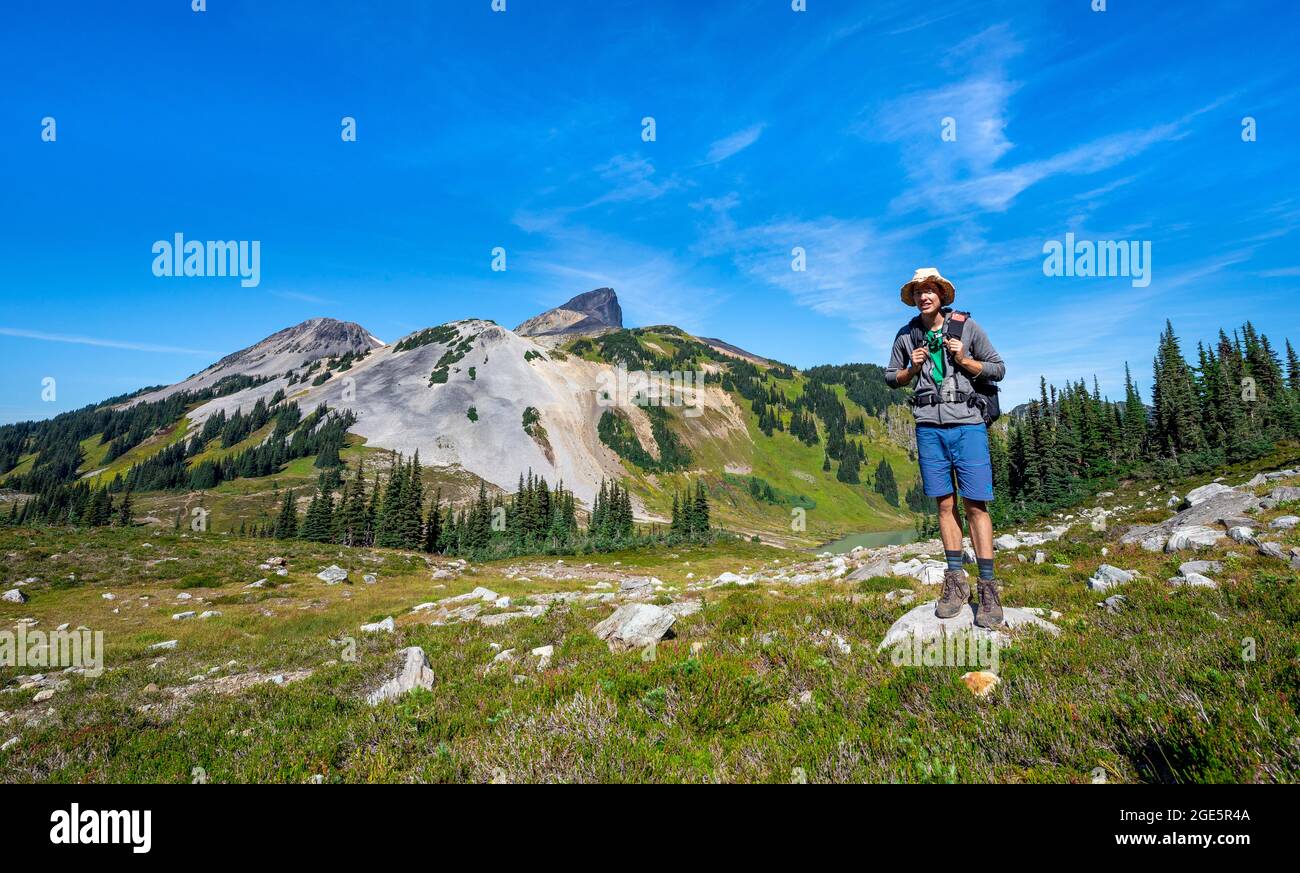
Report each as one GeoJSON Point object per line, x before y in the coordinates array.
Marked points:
{"type": "Point", "coordinates": [923, 276]}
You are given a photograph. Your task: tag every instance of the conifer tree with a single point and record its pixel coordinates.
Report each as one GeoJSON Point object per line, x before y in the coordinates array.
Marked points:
{"type": "Point", "coordinates": [286, 524]}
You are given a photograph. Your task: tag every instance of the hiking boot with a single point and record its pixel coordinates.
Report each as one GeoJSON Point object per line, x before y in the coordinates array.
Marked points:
{"type": "Point", "coordinates": [956, 594]}
{"type": "Point", "coordinates": [989, 613]}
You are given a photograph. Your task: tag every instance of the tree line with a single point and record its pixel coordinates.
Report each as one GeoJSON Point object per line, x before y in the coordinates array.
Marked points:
{"type": "Point", "coordinates": [1232, 404]}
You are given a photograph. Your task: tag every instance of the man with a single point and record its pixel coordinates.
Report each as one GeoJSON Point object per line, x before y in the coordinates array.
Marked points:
{"type": "Point", "coordinates": [951, 435]}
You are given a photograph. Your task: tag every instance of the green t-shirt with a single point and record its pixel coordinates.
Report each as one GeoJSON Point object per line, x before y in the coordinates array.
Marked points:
{"type": "Point", "coordinates": [933, 338]}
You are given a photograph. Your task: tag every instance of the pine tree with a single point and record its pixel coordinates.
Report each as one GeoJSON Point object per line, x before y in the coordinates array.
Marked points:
{"type": "Point", "coordinates": [885, 484]}
{"type": "Point", "coordinates": [700, 513]}
{"type": "Point", "coordinates": [849, 466]}
{"type": "Point", "coordinates": [286, 525]}
{"type": "Point", "coordinates": [433, 527]}
{"type": "Point", "coordinates": [124, 517]}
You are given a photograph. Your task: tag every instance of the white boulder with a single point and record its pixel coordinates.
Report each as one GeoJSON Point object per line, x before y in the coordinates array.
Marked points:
{"type": "Point", "coordinates": [415, 672]}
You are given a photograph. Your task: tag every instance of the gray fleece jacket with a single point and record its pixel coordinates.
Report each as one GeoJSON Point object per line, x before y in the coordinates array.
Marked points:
{"type": "Point", "coordinates": [977, 345]}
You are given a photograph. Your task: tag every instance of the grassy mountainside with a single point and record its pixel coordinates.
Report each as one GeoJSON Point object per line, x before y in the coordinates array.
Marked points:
{"type": "Point", "coordinates": [752, 687]}
{"type": "Point", "coordinates": [729, 459]}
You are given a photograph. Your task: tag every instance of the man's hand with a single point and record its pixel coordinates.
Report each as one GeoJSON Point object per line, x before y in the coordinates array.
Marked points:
{"type": "Point", "coordinates": [918, 357]}
{"type": "Point", "coordinates": [969, 364]}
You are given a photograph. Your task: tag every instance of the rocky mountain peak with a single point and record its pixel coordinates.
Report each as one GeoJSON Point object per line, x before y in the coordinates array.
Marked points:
{"type": "Point", "coordinates": [592, 312]}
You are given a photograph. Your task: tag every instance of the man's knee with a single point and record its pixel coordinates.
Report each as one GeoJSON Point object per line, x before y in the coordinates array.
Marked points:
{"type": "Point", "coordinates": [975, 507]}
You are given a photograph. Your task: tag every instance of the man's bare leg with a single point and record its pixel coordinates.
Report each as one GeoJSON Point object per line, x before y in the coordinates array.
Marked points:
{"type": "Point", "coordinates": [950, 525]}
{"type": "Point", "coordinates": [956, 589]}
{"type": "Point", "coordinates": [981, 527]}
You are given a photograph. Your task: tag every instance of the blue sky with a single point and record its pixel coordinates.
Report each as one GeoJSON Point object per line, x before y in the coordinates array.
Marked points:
{"type": "Point", "coordinates": [523, 129]}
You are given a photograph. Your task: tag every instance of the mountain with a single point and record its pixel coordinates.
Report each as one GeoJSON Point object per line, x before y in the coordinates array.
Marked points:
{"type": "Point", "coordinates": [457, 393]}
{"type": "Point", "coordinates": [281, 352]}
{"type": "Point", "coordinates": [484, 404]}
{"type": "Point", "coordinates": [593, 312]}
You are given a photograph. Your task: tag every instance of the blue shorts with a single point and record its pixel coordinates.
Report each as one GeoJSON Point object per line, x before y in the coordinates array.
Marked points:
{"type": "Point", "coordinates": [964, 448]}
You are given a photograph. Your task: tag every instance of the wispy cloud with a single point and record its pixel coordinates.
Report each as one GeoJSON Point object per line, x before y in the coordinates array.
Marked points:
{"type": "Point", "coordinates": [95, 341]}
{"type": "Point", "coordinates": [633, 179]}
{"type": "Point", "coordinates": [851, 267]}
{"type": "Point", "coordinates": [734, 144]}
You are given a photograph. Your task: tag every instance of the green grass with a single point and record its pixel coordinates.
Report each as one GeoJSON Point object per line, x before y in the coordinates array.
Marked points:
{"type": "Point", "coordinates": [1159, 692]}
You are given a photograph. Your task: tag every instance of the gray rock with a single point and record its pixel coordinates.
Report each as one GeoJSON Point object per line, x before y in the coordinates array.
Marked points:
{"type": "Point", "coordinates": [1241, 534]}
{"type": "Point", "coordinates": [1006, 541]}
{"type": "Point", "coordinates": [1192, 536]}
{"type": "Point", "coordinates": [14, 595]}
{"type": "Point", "coordinates": [210, 613]}
{"type": "Point", "coordinates": [921, 624]}
{"type": "Point", "coordinates": [166, 644]}
{"type": "Point", "coordinates": [841, 645]}
{"type": "Point", "coordinates": [1200, 567]}
{"type": "Point", "coordinates": [1225, 504]}
{"type": "Point", "coordinates": [333, 575]}
{"type": "Point", "coordinates": [910, 567]}
{"type": "Point", "coordinates": [932, 573]}
{"type": "Point", "coordinates": [500, 618]}
{"type": "Point", "coordinates": [870, 570]}
{"type": "Point", "coordinates": [683, 608]}
{"type": "Point", "coordinates": [1197, 496]}
{"type": "Point", "coordinates": [369, 579]}
{"type": "Point", "coordinates": [1257, 480]}
{"type": "Point", "coordinates": [1272, 550]}
{"type": "Point", "coordinates": [1284, 522]}
{"type": "Point", "coordinates": [479, 594]}
{"type": "Point", "coordinates": [415, 672]}
{"type": "Point", "coordinates": [386, 626]}
{"type": "Point", "coordinates": [1108, 577]}
{"type": "Point", "coordinates": [1113, 603]}
{"type": "Point", "coordinates": [1284, 494]}
{"type": "Point", "coordinates": [1195, 579]}
{"type": "Point", "coordinates": [1040, 557]}
{"type": "Point", "coordinates": [181, 616]}
{"type": "Point", "coordinates": [634, 625]}
{"type": "Point", "coordinates": [1153, 542]}
{"type": "Point", "coordinates": [543, 654]}
{"type": "Point", "coordinates": [730, 578]}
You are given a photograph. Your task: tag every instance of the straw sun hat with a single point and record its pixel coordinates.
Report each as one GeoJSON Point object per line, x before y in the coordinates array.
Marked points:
{"type": "Point", "coordinates": [930, 276]}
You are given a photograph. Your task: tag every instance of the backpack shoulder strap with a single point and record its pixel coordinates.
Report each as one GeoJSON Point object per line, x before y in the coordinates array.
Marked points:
{"type": "Point", "coordinates": [956, 323]}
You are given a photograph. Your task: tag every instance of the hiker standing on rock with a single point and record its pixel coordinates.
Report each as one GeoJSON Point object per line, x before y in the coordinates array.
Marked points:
{"type": "Point", "coordinates": [952, 366]}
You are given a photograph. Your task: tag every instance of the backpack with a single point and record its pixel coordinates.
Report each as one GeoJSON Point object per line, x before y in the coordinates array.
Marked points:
{"type": "Point", "coordinates": [986, 392]}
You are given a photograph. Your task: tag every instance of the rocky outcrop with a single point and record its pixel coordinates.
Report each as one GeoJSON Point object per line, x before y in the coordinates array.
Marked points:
{"type": "Point", "coordinates": [922, 625]}
{"type": "Point", "coordinates": [1224, 504]}
{"type": "Point", "coordinates": [634, 626]}
{"type": "Point", "coordinates": [415, 672]}
{"type": "Point", "coordinates": [593, 312]}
